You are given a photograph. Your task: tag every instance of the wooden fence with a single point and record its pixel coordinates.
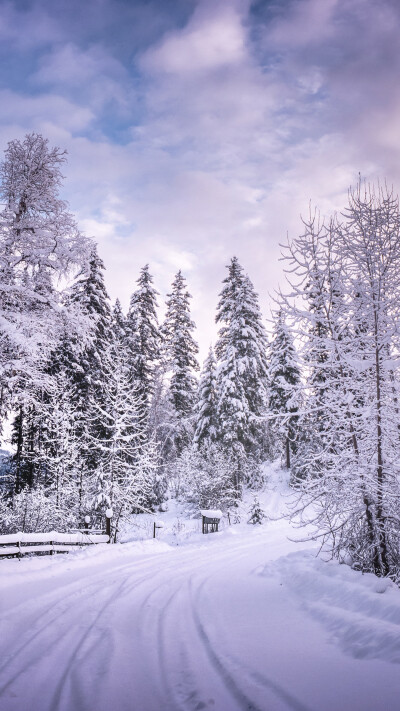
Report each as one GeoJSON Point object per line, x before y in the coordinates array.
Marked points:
{"type": "Point", "coordinates": [18, 544]}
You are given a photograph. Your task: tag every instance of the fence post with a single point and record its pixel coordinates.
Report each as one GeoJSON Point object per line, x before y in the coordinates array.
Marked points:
{"type": "Point", "coordinates": [86, 526]}
{"type": "Point", "coordinates": [109, 514]}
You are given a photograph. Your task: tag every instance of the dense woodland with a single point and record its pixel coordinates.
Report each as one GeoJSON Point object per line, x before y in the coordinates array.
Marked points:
{"type": "Point", "coordinates": [111, 410]}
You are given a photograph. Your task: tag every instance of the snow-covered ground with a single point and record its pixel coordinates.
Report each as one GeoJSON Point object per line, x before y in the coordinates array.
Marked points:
{"type": "Point", "coordinates": [241, 619]}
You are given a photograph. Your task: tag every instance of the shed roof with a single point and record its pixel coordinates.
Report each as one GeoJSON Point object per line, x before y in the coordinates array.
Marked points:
{"type": "Point", "coordinates": [211, 513]}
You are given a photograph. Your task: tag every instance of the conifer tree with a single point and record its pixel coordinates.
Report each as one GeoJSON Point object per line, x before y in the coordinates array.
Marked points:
{"type": "Point", "coordinates": [206, 410]}
{"type": "Point", "coordinates": [181, 350]}
{"type": "Point", "coordinates": [284, 381]}
{"type": "Point", "coordinates": [84, 363]}
{"type": "Point", "coordinates": [143, 338]}
{"type": "Point", "coordinates": [242, 365]}
{"type": "Point", "coordinates": [119, 324]}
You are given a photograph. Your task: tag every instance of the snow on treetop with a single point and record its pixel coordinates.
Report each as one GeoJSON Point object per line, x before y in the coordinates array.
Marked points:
{"type": "Point", "coordinates": [211, 513]}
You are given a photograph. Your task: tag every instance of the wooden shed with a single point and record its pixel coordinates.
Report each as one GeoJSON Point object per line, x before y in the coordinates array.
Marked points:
{"type": "Point", "coordinates": [210, 519]}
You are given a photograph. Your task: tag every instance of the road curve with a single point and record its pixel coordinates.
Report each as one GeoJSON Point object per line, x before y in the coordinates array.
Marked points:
{"type": "Point", "coordinates": [192, 628]}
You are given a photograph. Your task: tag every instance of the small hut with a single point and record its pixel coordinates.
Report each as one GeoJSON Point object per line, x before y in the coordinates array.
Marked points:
{"type": "Point", "coordinates": [210, 520]}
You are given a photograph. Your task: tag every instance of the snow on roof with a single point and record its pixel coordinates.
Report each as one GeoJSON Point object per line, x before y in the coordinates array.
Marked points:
{"type": "Point", "coordinates": [211, 513]}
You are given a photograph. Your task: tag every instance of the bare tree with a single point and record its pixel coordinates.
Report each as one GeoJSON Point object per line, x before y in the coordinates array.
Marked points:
{"type": "Point", "coordinates": [345, 280]}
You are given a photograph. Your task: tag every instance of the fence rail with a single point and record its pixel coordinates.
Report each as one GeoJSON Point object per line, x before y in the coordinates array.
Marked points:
{"type": "Point", "coordinates": [18, 544]}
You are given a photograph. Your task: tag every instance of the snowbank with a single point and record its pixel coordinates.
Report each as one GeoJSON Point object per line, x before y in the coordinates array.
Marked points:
{"type": "Point", "coordinates": [360, 611]}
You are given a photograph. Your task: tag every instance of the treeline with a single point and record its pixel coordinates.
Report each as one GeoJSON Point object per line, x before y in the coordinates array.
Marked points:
{"type": "Point", "coordinates": [109, 409]}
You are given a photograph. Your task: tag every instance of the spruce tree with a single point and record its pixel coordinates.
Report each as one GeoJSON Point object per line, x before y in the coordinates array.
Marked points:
{"type": "Point", "coordinates": [206, 411]}
{"type": "Point", "coordinates": [284, 381]}
{"type": "Point", "coordinates": [180, 350]}
{"type": "Point", "coordinates": [119, 324]}
{"type": "Point", "coordinates": [84, 363]}
{"type": "Point", "coordinates": [242, 365]}
{"type": "Point", "coordinates": [143, 338]}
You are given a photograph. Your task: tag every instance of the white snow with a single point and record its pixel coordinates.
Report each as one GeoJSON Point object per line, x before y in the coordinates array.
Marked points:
{"type": "Point", "coordinates": [211, 513]}
{"type": "Point", "coordinates": [240, 619]}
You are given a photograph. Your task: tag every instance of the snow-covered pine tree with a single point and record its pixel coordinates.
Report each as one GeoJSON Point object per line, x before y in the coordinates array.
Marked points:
{"type": "Point", "coordinates": [181, 350]}
{"type": "Point", "coordinates": [242, 366]}
{"type": "Point", "coordinates": [84, 363]}
{"type": "Point", "coordinates": [284, 382]}
{"type": "Point", "coordinates": [206, 406]}
{"type": "Point", "coordinates": [143, 338]}
{"type": "Point", "coordinates": [119, 324]}
{"type": "Point", "coordinates": [257, 515]}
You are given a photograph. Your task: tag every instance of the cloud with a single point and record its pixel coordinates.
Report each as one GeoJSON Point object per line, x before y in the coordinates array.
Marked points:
{"type": "Point", "coordinates": [93, 75]}
{"type": "Point", "coordinates": [36, 112]}
{"type": "Point", "coordinates": [28, 26]}
{"type": "Point", "coordinates": [213, 39]}
{"type": "Point", "coordinates": [201, 129]}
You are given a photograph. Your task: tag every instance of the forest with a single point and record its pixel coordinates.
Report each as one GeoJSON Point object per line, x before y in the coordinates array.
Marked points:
{"type": "Point", "coordinates": [110, 410]}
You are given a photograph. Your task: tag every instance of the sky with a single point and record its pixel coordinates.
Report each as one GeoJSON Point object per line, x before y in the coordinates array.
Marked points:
{"type": "Point", "coordinates": [201, 129]}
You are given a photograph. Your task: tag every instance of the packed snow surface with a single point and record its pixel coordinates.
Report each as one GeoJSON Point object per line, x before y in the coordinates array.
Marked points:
{"type": "Point", "coordinates": [241, 619]}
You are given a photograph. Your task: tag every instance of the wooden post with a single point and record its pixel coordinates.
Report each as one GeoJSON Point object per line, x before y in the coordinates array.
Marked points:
{"type": "Point", "coordinates": [154, 529]}
{"type": "Point", "coordinates": [109, 514]}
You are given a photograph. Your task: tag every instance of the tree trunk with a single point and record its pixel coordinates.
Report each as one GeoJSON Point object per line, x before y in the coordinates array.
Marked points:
{"type": "Point", "coordinates": [381, 557]}
{"type": "Point", "coordinates": [287, 452]}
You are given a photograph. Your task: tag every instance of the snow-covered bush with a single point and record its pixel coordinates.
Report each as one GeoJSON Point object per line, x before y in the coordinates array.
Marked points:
{"type": "Point", "coordinates": [257, 515]}
{"type": "Point", "coordinates": [35, 510]}
{"type": "Point", "coordinates": [206, 477]}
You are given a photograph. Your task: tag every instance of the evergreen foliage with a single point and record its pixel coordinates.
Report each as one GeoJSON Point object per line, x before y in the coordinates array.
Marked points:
{"type": "Point", "coordinates": [257, 515]}
{"type": "Point", "coordinates": [242, 367]}
{"type": "Point", "coordinates": [143, 338]}
{"type": "Point", "coordinates": [206, 406]}
{"type": "Point", "coordinates": [180, 351]}
{"type": "Point", "coordinates": [284, 384]}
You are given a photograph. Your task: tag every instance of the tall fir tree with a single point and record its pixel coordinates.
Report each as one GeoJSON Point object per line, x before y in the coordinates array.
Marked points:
{"type": "Point", "coordinates": [143, 338]}
{"type": "Point", "coordinates": [284, 382]}
{"type": "Point", "coordinates": [242, 365]}
{"type": "Point", "coordinates": [180, 350]}
{"type": "Point", "coordinates": [84, 363]}
{"type": "Point", "coordinates": [119, 324]}
{"type": "Point", "coordinates": [206, 406]}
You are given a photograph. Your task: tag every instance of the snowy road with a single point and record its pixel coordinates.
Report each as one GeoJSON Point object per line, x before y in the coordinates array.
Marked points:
{"type": "Point", "coordinates": [202, 626]}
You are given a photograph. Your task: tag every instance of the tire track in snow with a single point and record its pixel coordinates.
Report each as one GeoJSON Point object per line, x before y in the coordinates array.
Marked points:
{"type": "Point", "coordinates": [27, 645]}
{"type": "Point", "coordinates": [223, 662]}
{"type": "Point", "coordinates": [61, 609]}
{"type": "Point", "coordinates": [172, 570]}
{"type": "Point", "coordinates": [193, 700]}
{"type": "Point", "coordinates": [57, 695]}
